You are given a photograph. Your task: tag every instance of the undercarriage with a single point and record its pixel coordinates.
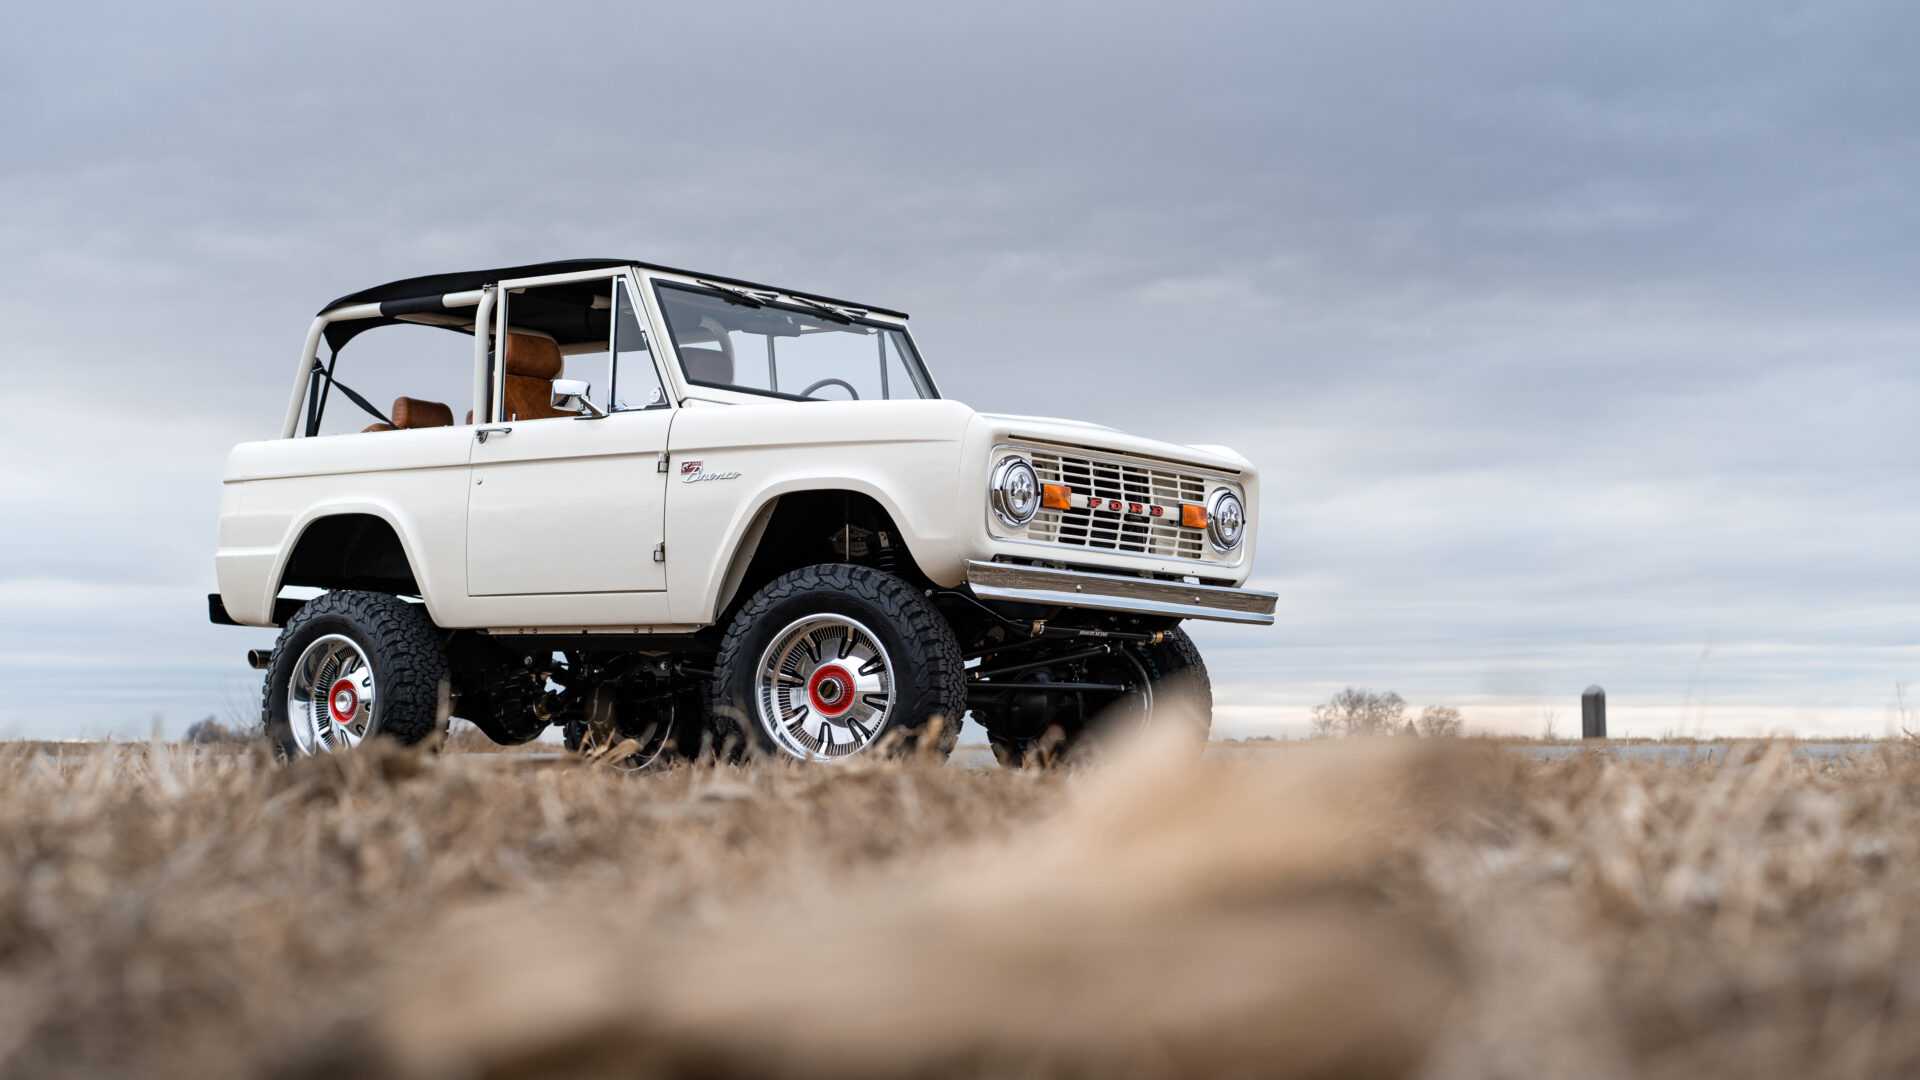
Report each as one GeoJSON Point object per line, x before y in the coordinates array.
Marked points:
{"type": "Point", "coordinates": [1035, 678]}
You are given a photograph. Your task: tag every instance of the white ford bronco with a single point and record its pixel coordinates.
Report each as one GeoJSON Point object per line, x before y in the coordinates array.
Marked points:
{"type": "Point", "coordinates": [688, 511]}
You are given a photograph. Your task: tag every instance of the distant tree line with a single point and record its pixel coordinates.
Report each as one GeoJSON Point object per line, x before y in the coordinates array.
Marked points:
{"type": "Point", "coordinates": [1355, 713]}
{"type": "Point", "coordinates": [211, 731]}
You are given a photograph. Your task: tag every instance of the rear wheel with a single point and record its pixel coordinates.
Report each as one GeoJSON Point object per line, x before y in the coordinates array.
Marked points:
{"type": "Point", "coordinates": [832, 661]}
{"type": "Point", "coordinates": [352, 666]}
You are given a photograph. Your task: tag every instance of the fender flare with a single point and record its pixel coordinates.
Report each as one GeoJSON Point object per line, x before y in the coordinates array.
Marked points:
{"type": "Point", "coordinates": [750, 536]}
{"type": "Point", "coordinates": [297, 532]}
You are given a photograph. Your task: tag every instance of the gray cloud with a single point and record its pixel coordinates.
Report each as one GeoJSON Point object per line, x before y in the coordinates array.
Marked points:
{"type": "Point", "coordinates": [1575, 341]}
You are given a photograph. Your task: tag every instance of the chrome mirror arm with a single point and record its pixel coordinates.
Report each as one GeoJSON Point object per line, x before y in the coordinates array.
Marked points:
{"type": "Point", "coordinates": [574, 396]}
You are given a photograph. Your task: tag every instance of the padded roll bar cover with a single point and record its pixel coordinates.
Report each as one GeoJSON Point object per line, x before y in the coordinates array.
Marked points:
{"type": "Point", "coordinates": [413, 305]}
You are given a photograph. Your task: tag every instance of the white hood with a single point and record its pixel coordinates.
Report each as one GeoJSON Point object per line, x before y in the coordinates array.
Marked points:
{"type": "Point", "coordinates": [1082, 433]}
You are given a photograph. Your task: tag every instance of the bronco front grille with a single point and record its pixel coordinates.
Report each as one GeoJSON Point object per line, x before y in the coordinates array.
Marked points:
{"type": "Point", "coordinates": [1125, 482]}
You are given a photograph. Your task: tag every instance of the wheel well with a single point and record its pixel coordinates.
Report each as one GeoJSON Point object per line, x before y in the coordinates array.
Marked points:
{"type": "Point", "coordinates": [811, 527]}
{"type": "Point", "coordinates": [351, 551]}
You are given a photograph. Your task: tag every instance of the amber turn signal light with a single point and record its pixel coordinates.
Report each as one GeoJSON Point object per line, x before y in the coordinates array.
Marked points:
{"type": "Point", "coordinates": [1192, 516]}
{"type": "Point", "coordinates": [1056, 496]}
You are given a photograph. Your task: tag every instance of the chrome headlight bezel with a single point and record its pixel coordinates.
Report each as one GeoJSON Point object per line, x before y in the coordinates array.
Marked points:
{"type": "Point", "coordinates": [1014, 502]}
{"type": "Point", "coordinates": [1226, 531]}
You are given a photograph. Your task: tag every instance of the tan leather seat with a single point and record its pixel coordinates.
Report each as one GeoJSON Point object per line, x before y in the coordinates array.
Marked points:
{"type": "Point", "coordinates": [409, 413]}
{"type": "Point", "coordinates": [416, 413]}
{"type": "Point", "coordinates": [532, 364]}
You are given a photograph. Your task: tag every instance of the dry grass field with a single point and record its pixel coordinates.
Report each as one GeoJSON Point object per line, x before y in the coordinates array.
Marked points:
{"type": "Point", "coordinates": [1391, 909]}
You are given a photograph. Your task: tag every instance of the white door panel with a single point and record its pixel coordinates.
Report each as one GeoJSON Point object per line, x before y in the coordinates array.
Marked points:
{"type": "Point", "coordinates": [568, 506]}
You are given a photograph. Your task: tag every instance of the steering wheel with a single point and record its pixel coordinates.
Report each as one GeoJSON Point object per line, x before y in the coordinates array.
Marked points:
{"type": "Point", "coordinates": [808, 392]}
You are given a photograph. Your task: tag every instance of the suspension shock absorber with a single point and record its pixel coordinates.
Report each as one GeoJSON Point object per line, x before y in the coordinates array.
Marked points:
{"type": "Point", "coordinates": [885, 555]}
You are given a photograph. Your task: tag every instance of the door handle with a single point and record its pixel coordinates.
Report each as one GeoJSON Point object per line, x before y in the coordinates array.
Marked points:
{"type": "Point", "coordinates": [482, 433]}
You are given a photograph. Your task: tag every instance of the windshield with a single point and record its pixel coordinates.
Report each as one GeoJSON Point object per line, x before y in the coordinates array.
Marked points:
{"type": "Point", "coordinates": [739, 342]}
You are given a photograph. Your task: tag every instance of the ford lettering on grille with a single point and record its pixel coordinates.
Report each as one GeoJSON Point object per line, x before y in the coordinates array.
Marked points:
{"type": "Point", "coordinates": [1118, 506]}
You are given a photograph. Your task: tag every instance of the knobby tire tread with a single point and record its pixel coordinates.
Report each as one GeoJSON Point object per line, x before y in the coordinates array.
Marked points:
{"type": "Point", "coordinates": [402, 643]}
{"type": "Point", "coordinates": [939, 678]}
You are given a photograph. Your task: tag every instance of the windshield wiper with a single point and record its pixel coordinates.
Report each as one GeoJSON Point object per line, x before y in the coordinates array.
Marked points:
{"type": "Point", "coordinates": [753, 299]}
{"type": "Point", "coordinates": [832, 311]}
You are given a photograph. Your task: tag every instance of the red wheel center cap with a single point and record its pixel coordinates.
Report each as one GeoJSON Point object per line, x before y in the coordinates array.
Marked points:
{"type": "Point", "coordinates": [343, 701]}
{"type": "Point", "coordinates": [831, 690]}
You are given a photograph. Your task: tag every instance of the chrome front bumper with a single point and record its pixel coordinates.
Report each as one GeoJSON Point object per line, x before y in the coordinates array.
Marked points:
{"type": "Point", "coordinates": [1116, 592]}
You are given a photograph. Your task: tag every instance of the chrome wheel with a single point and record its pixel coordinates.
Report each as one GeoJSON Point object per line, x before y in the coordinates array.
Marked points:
{"type": "Point", "coordinates": [330, 695]}
{"type": "Point", "coordinates": [825, 688]}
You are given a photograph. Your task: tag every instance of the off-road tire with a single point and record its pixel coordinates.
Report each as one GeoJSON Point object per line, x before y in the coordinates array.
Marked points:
{"type": "Point", "coordinates": [929, 673]}
{"type": "Point", "coordinates": [408, 658]}
{"type": "Point", "coordinates": [1175, 670]}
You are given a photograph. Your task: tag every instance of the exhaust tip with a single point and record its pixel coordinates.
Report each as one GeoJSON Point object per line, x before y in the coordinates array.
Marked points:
{"type": "Point", "coordinates": [258, 659]}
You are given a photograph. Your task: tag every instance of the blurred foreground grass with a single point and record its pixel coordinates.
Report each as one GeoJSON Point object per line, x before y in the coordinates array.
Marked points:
{"type": "Point", "coordinates": [1374, 909]}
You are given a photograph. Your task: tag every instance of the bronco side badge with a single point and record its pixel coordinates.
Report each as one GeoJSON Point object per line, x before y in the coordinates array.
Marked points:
{"type": "Point", "coordinates": [690, 472]}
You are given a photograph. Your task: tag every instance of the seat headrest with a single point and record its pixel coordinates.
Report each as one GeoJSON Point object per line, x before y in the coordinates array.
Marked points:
{"type": "Point", "coordinates": [707, 365]}
{"type": "Point", "coordinates": [415, 413]}
{"type": "Point", "coordinates": [534, 357]}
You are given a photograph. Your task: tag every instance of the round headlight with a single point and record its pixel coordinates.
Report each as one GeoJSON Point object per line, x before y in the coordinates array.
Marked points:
{"type": "Point", "coordinates": [1226, 520]}
{"type": "Point", "coordinates": [1016, 492]}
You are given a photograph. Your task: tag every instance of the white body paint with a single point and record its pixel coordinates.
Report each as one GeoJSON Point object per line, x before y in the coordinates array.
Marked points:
{"type": "Point", "coordinates": [553, 525]}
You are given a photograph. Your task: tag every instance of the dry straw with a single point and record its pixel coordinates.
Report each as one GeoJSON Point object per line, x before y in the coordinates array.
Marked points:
{"type": "Point", "coordinates": [1375, 910]}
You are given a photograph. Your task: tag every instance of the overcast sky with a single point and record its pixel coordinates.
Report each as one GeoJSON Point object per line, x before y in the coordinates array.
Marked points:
{"type": "Point", "coordinates": [1576, 343]}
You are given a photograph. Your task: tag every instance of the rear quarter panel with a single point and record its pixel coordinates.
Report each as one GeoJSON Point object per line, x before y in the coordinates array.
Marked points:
{"type": "Point", "coordinates": [414, 480]}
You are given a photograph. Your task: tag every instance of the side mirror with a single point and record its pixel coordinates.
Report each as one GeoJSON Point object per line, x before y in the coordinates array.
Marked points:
{"type": "Point", "coordinates": [570, 395]}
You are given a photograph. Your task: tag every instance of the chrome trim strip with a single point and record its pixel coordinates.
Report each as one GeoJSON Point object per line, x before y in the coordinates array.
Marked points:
{"type": "Point", "coordinates": [1113, 592]}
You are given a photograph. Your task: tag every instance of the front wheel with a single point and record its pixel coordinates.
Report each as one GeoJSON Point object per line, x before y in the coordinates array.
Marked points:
{"type": "Point", "coordinates": [352, 666]}
{"type": "Point", "coordinates": [1166, 684]}
{"type": "Point", "coordinates": [832, 661]}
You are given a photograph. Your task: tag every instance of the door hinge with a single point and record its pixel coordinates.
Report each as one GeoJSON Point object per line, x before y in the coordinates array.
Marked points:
{"type": "Point", "coordinates": [663, 464]}
{"type": "Point", "coordinates": [660, 551]}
